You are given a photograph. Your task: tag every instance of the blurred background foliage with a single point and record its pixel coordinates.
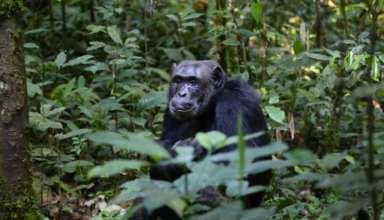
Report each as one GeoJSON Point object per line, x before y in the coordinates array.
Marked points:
{"type": "Point", "coordinates": [97, 76]}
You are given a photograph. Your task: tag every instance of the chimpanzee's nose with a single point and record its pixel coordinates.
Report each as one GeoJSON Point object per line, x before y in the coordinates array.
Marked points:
{"type": "Point", "coordinates": [182, 94]}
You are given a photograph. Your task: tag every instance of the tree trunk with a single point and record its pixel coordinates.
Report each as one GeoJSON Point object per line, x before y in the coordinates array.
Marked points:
{"type": "Point", "coordinates": [17, 200]}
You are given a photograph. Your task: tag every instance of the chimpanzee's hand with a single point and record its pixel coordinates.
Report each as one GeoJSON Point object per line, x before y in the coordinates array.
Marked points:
{"type": "Point", "coordinates": [199, 152]}
{"type": "Point", "coordinates": [211, 197]}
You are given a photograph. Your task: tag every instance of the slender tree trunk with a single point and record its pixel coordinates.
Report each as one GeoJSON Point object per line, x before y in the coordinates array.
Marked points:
{"type": "Point", "coordinates": [220, 47]}
{"type": "Point", "coordinates": [63, 18]}
{"type": "Point", "coordinates": [318, 25]}
{"type": "Point", "coordinates": [92, 11]}
{"type": "Point", "coordinates": [51, 18]}
{"type": "Point", "coordinates": [16, 198]}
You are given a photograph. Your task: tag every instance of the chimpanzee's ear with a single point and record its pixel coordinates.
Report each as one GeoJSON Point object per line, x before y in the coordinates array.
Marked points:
{"type": "Point", "coordinates": [218, 76]}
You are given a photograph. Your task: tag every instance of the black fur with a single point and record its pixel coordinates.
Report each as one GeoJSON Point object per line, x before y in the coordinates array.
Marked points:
{"type": "Point", "coordinates": [221, 115]}
{"type": "Point", "coordinates": [227, 102]}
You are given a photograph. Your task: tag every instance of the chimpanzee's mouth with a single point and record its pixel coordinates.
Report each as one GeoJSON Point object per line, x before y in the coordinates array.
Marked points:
{"type": "Point", "coordinates": [181, 110]}
{"type": "Point", "coordinates": [183, 113]}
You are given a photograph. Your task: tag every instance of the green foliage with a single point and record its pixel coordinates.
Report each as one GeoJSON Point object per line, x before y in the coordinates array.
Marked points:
{"type": "Point", "coordinates": [97, 80]}
{"type": "Point", "coordinates": [134, 142]}
{"type": "Point", "coordinates": [11, 8]}
{"type": "Point", "coordinates": [115, 167]}
{"type": "Point", "coordinates": [187, 189]}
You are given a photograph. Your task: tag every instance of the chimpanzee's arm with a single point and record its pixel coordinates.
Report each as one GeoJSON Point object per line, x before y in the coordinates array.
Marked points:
{"type": "Point", "coordinates": [171, 133]}
{"type": "Point", "coordinates": [242, 100]}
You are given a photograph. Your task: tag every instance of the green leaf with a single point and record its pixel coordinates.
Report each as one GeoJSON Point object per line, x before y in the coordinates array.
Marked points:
{"type": "Point", "coordinates": [204, 174]}
{"type": "Point", "coordinates": [47, 111]}
{"type": "Point", "coordinates": [152, 100]}
{"type": "Point", "coordinates": [297, 47]}
{"type": "Point", "coordinates": [317, 56]}
{"type": "Point", "coordinates": [178, 205]}
{"type": "Point", "coordinates": [257, 12]}
{"type": "Point", "coordinates": [347, 181]}
{"type": "Point", "coordinates": [136, 142]}
{"type": "Point", "coordinates": [231, 42]}
{"type": "Point", "coordinates": [115, 167]}
{"type": "Point", "coordinates": [184, 155]}
{"type": "Point", "coordinates": [275, 113]}
{"type": "Point", "coordinates": [173, 18]}
{"type": "Point", "coordinates": [332, 160]}
{"type": "Point", "coordinates": [375, 72]}
{"type": "Point", "coordinates": [173, 54]}
{"type": "Point", "coordinates": [73, 165]}
{"type": "Point", "coordinates": [41, 123]}
{"type": "Point", "coordinates": [301, 156]}
{"type": "Point", "coordinates": [85, 59]}
{"type": "Point", "coordinates": [234, 210]}
{"type": "Point", "coordinates": [95, 28]}
{"type": "Point", "coordinates": [143, 185]}
{"type": "Point", "coordinates": [228, 211]}
{"type": "Point", "coordinates": [60, 59]}
{"type": "Point", "coordinates": [154, 192]}
{"type": "Point", "coordinates": [341, 209]}
{"type": "Point", "coordinates": [95, 45]}
{"type": "Point", "coordinates": [192, 15]}
{"type": "Point", "coordinates": [232, 187]}
{"type": "Point", "coordinates": [188, 24]}
{"type": "Point", "coordinates": [33, 89]}
{"type": "Point", "coordinates": [157, 198]}
{"type": "Point", "coordinates": [257, 214]}
{"type": "Point", "coordinates": [237, 188]}
{"type": "Point", "coordinates": [31, 46]}
{"type": "Point", "coordinates": [211, 139]}
{"type": "Point", "coordinates": [160, 72]}
{"type": "Point", "coordinates": [350, 159]}
{"type": "Point", "coordinates": [114, 33]}
{"type": "Point", "coordinates": [261, 166]}
{"type": "Point", "coordinates": [43, 153]}
{"type": "Point", "coordinates": [235, 139]}
{"type": "Point", "coordinates": [307, 177]}
{"type": "Point", "coordinates": [251, 154]}
{"type": "Point", "coordinates": [274, 99]}
{"type": "Point", "coordinates": [73, 133]}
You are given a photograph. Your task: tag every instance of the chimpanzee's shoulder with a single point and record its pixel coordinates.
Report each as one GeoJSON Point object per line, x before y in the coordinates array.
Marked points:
{"type": "Point", "coordinates": [239, 91]}
{"type": "Point", "coordinates": [236, 83]}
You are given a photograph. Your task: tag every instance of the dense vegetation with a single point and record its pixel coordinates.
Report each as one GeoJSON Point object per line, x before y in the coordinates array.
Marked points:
{"type": "Point", "coordinates": [97, 75]}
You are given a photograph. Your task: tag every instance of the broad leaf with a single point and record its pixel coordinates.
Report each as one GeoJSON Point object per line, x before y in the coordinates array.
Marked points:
{"type": "Point", "coordinates": [257, 11]}
{"type": "Point", "coordinates": [332, 160]}
{"type": "Point", "coordinates": [86, 59]}
{"type": "Point", "coordinates": [114, 34]}
{"type": "Point", "coordinates": [115, 167]}
{"type": "Point", "coordinates": [73, 133]}
{"type": "Point", "coordinates": [73, 165]}
{"type": "Point", "coordinates": [137, 143]}
{"type": "Point", "coordinates": [231, 42]}
{"type": "Point", "coordinates": [275, 113]}
{"type": "Point", "coordinates": [60, 59]}
{"type": "Point", "coordinates": [211, 139]}
{"type": "Point", "coordinates": [41, 123]}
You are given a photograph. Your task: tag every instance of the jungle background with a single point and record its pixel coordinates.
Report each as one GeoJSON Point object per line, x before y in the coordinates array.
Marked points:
{"type": "Point", "coordinates": [97, 73]}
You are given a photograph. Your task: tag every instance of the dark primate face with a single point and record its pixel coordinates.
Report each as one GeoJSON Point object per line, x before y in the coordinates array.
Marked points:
{"type": "Point", "coordinates": [193, 84]}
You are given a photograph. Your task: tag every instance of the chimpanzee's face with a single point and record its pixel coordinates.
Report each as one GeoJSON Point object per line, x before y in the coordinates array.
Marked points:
{"type": "Point", "coordinates": [193, 84]}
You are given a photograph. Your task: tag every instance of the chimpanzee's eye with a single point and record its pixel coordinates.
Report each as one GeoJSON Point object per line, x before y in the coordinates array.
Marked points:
{"type": "Point", "coordinates": [193, 81]}
{"type": "Point", "coordinates": [177, 80]}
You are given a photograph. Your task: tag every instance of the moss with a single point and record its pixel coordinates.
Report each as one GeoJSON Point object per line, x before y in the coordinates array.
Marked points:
{"type": "Point", "coordinates": [9, 8]}
{"type": "Point", "coordinates": [18, 202]}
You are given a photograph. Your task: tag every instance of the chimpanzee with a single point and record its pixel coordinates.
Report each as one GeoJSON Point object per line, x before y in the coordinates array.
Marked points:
{"type": "Point", "coordinates": [201, 98]}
